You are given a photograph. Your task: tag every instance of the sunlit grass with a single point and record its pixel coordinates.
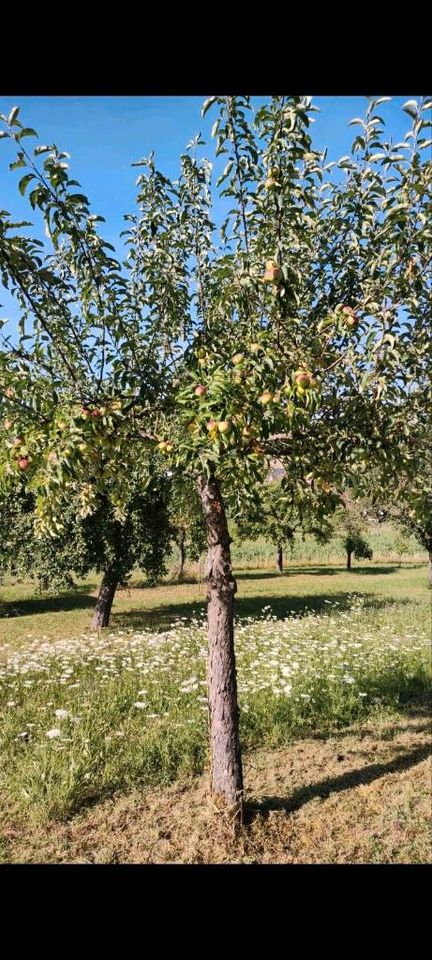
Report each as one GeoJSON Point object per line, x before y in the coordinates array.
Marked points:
{"type": "Point", "coordinates": [83, 718]}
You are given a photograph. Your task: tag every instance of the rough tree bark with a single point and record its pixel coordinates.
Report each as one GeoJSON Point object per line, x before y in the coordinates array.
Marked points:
{"type": "Point", "coordinates": [182, 553]}
{"type": "Point", "coordinates": [225, 752]}
{"type": "Point", "coordinates": [279, 558]}
{"type": "Point", "coordinates": [349, 555]}
{"type": "Point", "coordinates": [105, 599]}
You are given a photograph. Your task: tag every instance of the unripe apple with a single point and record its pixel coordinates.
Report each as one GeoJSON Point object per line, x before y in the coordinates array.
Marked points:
{"type": "Point", "coordinates": [169, 447]}
{"type": "Point", "coordinates": [276, 396]}
{"type": "Point", "coordinates": [202, 363]}
{"type": "Point", "coordinates": [255, 347]}
{"type": "Point", "coordinates": [8, 424]}
{"type": "Point", "coordinates": [162, 445]}
{"type": "Point", "coordinates": [201, 353]}
{"type": "Point", "coordinates": [10, 392]}
{"type": "Point", "coordinates": [223, 426]}
{"type": "Point", "coordinates": [200, 390]}
{"type": "Point", "coordinates": [265, 397]}
{"type": "Point", "coordinates": [23, 463]}
{"type": "Point", "coordinates": [192, 427]}
{"type": "Point", "coordinates": [271, 183]}
{"type": "Point", "coordinates": [237, 358]}
{"type": "Point", "coordinates": [273, 272]}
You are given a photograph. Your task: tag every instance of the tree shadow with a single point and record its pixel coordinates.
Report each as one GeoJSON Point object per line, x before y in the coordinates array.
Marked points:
{"type": "Point", "coordinates": [76, 600]}
{"type": "Point", "coordinates": [317, 570]}
{"type": "Point", "coordinates": [165, 615]}
{"type": "Point", "coordinates": [324, 788]}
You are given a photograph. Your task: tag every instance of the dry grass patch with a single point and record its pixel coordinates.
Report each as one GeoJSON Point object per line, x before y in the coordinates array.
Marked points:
{"type": "Point", "coordinates": [357, 797]}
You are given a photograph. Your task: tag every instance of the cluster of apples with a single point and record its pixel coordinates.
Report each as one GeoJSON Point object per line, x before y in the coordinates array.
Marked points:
{"type": "Point", "coordinates": [86, 413]}
{"type": "Point", "coordinates": [349, 316]}
{"type": "Point", "coordinates": [272, 182]}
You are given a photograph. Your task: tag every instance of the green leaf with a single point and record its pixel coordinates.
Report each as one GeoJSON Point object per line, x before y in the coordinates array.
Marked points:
{"type": "Point", "coordinates": [411, 107]}
{"type": "Point", "coordinates": [27, 132]}
{"type": "Point", "coordinates": [24, 182]}
{"type": "Point", "coordinates": [41, 149]}
{"type": "Point", "coordinates": [13, 115]}
{"type": "Point", "coordinates": [207, 104]}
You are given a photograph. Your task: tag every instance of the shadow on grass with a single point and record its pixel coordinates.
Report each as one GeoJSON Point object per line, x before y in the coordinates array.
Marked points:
{"type": "Point", "coordinates": [77, 599]}
{"type": "Point", "coordinates": [316, 570]}
{"type": "Point", "coordinates": [281, 607]}
{"type": "Point", "coordinates": [347, 781]}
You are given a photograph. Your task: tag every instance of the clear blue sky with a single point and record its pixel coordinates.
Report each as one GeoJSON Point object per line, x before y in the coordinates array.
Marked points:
{"type": "Point", "coordinates": [103, 135]}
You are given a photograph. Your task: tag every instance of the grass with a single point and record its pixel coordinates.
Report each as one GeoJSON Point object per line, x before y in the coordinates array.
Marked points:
{"type": "Point", "coordinates": [90, 720]}
{"type": "Point", "coordinates": [25, 616]}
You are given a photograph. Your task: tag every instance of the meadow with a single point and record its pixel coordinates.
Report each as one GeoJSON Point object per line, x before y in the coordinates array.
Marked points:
{"type": "Point", "coordinates": [92, 719]}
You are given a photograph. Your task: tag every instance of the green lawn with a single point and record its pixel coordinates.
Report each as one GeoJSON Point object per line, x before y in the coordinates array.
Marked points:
{"type": "Point", "coordinates": [25, 616]}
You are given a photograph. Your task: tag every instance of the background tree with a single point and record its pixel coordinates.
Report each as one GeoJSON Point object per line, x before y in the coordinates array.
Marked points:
{"type": "Point", "coordinates": [294, 338]}
{"type": "Point", "coordinates": [187, 523]}
{"type": "Point", "coordinates": [279, 513]}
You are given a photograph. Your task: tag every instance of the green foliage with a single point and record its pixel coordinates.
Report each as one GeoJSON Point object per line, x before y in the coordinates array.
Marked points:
{"type": "Point", "coordinates": [303, 336]}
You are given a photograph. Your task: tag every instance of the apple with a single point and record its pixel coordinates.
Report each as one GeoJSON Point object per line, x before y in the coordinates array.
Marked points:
{"type": "Point", "coordinates": [169, 447]}
{"type": "Point", "coordinates": [246, 432]}
{"type": "Point", "coordinates": [23, 463]}
{"type": "Point", "coordinates": [200, 390]}
{"type": "Point", "coordinates": [52, 457]}
{"type": "Point", "coordinates": [237, 358]}
{"type": "Point", "coordinates": [17, 442]}
{"type": "Point", "coordinates": [201, 353]}
{"type": "Point", "coordinates": [162, 445]}
{"type": "Point", "coordinates": [255, 347]}
{"type": "Point", "coordinates": [96, 413]}
{"type": "Point", "coordinates": [10, 392]}
{"type": "Point", "coordinates": [223, 426]}
{"type": "Point", "coordinates": [271, 183]}
{"type": "Point", "coordinates": [276, 397]}
{"type": "Point", "coordinates": [85, 412]}
{"type": "Point", "coordinates": [211, 424]}
{"type": "Point", "coordinates": [273, 272]}
{"type": "Point", "coordinates": [8, 424]}
{"type": "Point", "coordinates": [265, 397]}
{"type": "Point", "coordinates": [303, 378]}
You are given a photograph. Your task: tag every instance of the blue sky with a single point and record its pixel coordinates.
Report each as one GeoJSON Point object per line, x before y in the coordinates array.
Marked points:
{"type": "Point", "coordinates": [103, 135]}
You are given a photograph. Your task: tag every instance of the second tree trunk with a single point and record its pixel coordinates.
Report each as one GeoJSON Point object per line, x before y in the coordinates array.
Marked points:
{"type": "Point", "coordinates": [104, 601]}
{"type": "Point", "coordinates": [279, 558]}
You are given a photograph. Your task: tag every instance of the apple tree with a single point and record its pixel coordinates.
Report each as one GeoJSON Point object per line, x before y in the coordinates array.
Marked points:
{"type": "Point", "coordinates": [291, 335]}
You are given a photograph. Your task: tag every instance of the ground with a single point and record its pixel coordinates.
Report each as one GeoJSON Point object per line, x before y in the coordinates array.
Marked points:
{"type": "Point", "coordinates": [330, 778]}
{"type": "Point", "coordinates": [353, 798]}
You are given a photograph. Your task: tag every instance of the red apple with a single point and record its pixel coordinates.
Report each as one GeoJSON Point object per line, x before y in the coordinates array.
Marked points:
{"type": "Point", "coordinates": [23, 463]}
{"type": "Point", "coordinates": [200, 390]}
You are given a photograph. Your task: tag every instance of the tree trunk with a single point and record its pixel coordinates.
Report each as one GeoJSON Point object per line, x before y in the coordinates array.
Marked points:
{"type": "Point", "coordinates": [279, 558]}
{"type": "Point", "coordinates": [430, 568]}
{"type": "Point", "coordinates": [349, 554]}
{"type": "Point", "coordinates": [105, 599]}
{"type": "Point", "coordinates": [182, 554]}
{"type": "Point", "coordinates": [225, 752]}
